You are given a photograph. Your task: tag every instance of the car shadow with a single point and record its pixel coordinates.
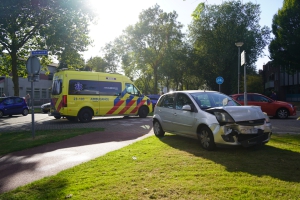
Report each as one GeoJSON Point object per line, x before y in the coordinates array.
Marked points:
{"type": "Point", "coordinates": [261, 161]}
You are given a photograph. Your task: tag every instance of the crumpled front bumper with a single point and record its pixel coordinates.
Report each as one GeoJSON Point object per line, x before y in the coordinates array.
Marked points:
{"type": "Point", "coordinates": [242, 135]}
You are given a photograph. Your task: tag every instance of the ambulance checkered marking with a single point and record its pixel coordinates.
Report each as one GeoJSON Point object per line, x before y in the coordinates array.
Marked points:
{"type": "Point", "coordinates": [129, 103]}
{"type": "Point", "coordinates": [116, 106]}
{"type": "Point", "coordinates": [58, 107]}
{"type": "Point", "coordinates": [138, 106]}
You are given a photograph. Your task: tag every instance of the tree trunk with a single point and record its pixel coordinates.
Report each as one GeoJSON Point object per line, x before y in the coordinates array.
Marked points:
{"type": "Point", "coordinates": [15, 77]}
{"type": "Point", "coordinates": [155, 79]}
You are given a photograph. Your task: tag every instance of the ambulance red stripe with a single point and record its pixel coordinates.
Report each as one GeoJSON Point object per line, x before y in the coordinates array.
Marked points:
{"type": "Point", "coordinates": [138, 106]}
{"type": "Point", "coordinates": [111, 111]}
{"type": "Point", "coordinates": [127, 107]}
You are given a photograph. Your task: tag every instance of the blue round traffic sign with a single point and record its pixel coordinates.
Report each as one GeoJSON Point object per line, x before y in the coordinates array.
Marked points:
{"type": "Point", "coordinates": [219, 80]}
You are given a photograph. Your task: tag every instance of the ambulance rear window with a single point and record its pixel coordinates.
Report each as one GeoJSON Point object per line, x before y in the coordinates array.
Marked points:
{"type": "Point", "coordinates": [56, 86]}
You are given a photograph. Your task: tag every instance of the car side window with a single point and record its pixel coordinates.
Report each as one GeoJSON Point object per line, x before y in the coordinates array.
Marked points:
{"type": "Point", "coordinates": [240, 98]}
{"type": "Point", "coordinates": [259, 98]}
{"type": "Point", "coordinates": [9, 101]}
{"type": "Point", "coordinates": [182, 100]}
{"type": "Point", "coordinates": [168, 101]}
{"type": "Point", "coordinates": [19, 100]}
{"type": "Point", "coordinates": [130, 89]}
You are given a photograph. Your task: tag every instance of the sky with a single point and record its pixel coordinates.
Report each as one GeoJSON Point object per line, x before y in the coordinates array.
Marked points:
{"type": "Point", "coordinates": [115, 15]}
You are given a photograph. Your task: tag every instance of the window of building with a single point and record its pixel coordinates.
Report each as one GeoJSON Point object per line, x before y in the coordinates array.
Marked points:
{"type": "Point", "coordinates": [1, 91]}
{"type": "Point", "coordinates": [44, 93]}
{"type": "Point", "coordinates": [37, 93]}
{"type": "Point", "coordinates": [28, 91]}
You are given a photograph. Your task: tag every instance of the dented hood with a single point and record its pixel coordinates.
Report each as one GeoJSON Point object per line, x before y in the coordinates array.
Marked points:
{"type": "Point", "coordinates": [243, 113]}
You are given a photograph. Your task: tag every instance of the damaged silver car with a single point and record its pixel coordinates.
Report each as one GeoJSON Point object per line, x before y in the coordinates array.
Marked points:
{"type": "Point", "coordinates": [212, 117]}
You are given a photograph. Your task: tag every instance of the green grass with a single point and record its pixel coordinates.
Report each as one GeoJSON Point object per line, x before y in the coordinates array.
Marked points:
{"type": "Point", "coordinates": [15, 141]}
{"type": "Point", "coordinates": [177, 168]}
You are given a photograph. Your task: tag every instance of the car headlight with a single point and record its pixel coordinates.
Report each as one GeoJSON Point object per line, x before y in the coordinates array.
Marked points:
{"type": "Point", "coordinates": [267, 118]}
{"type": "Point", "coordinates": [223, 117]}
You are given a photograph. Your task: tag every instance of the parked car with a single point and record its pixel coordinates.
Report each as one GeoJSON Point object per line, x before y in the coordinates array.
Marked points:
{"type": "Point", "coordinates": [212, 117]}
{"type": "Point", "coordinates": [46, 107]}
{"type": "Point", "coordinates": [154, 98]}
{"type": "Point", "coordinates": [279, 109]}
{"type": "Point", "coordinates": [13, 106]}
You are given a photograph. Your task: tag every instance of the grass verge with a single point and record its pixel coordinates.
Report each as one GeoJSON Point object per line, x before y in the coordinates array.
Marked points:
{"type": "Point", "coordinates": [16, 141]}
{"type": "Point", "coordinates": [177, 168]}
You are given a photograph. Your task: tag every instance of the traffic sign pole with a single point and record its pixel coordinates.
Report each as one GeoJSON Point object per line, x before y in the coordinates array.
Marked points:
{"type": "Point", "coordinates": [219, 81]}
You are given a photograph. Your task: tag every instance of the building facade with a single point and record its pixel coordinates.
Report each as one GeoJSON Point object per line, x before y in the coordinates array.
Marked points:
{"type": "Point", "coordinates": [41, 88]}
{"type": "Point", "coordinates": [286, 86]}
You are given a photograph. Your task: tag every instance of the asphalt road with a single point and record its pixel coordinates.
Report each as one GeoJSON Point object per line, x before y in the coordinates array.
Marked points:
{"type": "Point", "coordinates": [20, 168]}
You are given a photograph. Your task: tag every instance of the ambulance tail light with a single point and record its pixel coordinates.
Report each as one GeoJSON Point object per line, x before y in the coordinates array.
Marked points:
{"type": "Point", "coordinates": [64, 101]}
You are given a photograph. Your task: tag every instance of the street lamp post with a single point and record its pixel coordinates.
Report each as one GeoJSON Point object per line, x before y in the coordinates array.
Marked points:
{"type": "Point", "coordinates": [239, 44]}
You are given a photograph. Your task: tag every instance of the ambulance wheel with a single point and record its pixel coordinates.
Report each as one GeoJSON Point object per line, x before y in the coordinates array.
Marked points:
{"type": "Point", "coordinates": [143, 112]}
{"type": "Point", "coordinates": [85, 115]}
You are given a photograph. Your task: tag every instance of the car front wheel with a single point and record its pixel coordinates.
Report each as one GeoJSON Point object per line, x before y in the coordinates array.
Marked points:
{"type": "Point", "coordinates": [143, 112]}
{"type": "Point", "coordinates": [282, 113]}
{"type": "Point", "coordinates": [158, 131]}
{"type": "Point", "coordinates": [206, 139]}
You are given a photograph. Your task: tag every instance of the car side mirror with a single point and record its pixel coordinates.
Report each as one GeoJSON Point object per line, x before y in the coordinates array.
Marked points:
{"type": "Point", "coordinates": [187, 108]}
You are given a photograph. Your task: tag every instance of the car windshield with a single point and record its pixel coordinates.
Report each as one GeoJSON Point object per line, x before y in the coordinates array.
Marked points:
{"type": "Point", "coordinates": [207, 100]}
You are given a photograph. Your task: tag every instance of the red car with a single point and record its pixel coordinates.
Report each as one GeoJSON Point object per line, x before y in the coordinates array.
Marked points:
{"type": "Point", "coordinates": [279, 109]}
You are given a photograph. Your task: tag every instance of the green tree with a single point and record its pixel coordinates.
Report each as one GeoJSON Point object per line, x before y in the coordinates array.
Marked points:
{"type": "Point", "coordinates": [145, 44]}
{"type": "Point", "coordinates": [214, 32]}
{"type": "Point", "coordinates": [285, 47]}
{"type": "Point", "coordinates": [255, 84]}
{"type": "Point", "coordinates": [61, 26]}
{"type": "Point", "coordinates": [97, 64]}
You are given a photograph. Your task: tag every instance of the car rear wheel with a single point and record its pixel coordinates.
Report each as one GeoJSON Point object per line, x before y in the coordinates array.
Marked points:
{"type": "Point", "coordinates": [206, 139]}
{"type": "Point", "coordinates": [25, 112]}
{"type": "Point", "coordinates": [282, 113]}
{"type": "Point", "coordinates": [143, 112]}
{"type": "Point", "coordinates": [158, 131]}
{"type": "Point", "coordinates": [85, 115]}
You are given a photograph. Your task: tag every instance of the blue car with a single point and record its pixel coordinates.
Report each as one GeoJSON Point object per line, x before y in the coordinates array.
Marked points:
{"type": "Point", "coordinates": [13, 106]}
{"type": "Point", "coordinates": [154, 98]}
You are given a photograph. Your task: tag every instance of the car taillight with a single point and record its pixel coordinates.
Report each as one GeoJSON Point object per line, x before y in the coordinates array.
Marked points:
{"type": "Point", "coordinates": [64, 101]}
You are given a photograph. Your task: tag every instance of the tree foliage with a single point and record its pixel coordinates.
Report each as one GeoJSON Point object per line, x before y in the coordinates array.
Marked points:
{"type": "Point", "coordinates": [61, 26]}
{"type": "Point", "coordinates": [214, 32]}
{"type": "Point", "coordinates": [255, 84]}
{"type": "Point", "coordinates": [285, 47]}
{"type": "Point", "coordinates": [97, 64]}
{"type": "Point", "coordinates": [144, 46]}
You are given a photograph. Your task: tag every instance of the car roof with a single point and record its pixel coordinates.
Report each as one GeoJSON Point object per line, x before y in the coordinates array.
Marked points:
{"type": "Point", "coordinates": [192, 91]}
{"type": "Point", "coordinates": [247, 93]}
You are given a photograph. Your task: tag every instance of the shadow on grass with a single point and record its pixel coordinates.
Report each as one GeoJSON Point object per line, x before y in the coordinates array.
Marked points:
{"type": "Point", "coordinates": [261, 161]}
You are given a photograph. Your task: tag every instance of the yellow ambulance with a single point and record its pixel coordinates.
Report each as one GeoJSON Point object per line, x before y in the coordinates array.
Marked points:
{"type": "Point", "coordinates": [80, 95]}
